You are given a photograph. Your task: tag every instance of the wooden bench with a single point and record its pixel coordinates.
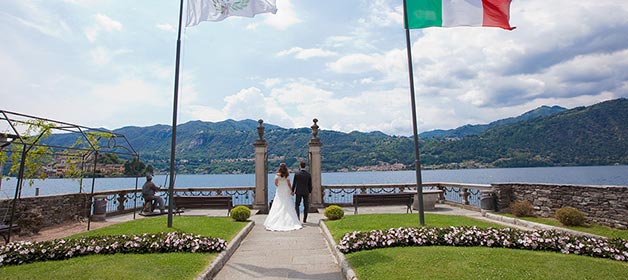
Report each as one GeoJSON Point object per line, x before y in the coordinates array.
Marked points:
{"type": "Point", "coordinates": [4, 227]}
{"type": "Point", "coordinates": [202, 202]}
{"type": "Point", "coordinates": [380, 199]}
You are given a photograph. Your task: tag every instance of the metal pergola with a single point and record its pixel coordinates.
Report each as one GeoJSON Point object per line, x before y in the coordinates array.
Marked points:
{"type": "Point", "coordinates": [30, 132]}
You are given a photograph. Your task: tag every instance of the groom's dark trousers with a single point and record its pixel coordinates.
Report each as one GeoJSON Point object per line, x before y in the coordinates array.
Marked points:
{"type": "Point", "coordinates": [302, 187]}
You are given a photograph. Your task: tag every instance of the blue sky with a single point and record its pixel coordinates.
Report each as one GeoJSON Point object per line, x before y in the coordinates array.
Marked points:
{"type": "Point", "coordinates": [110, 64]}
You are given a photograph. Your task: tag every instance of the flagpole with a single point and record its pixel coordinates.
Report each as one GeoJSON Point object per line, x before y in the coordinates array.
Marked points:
{"type": "Point", "coordinates": [173, 144]}
{"type": "Point", "coordinates": [419, 183]}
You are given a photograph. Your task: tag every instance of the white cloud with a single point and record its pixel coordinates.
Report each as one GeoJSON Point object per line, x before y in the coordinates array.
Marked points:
{"type": "Point", "coordinates": [103, 56]}
{"type": "Point", "coordinates": [131, 92]}
{"type": "Point", "coordinates": [286, 16]}
{"type": "Point", "coordinates": [304, 54]}
{"type": "Point", "coordinates": [166, 27]}
{"type": "Point", "coordinates": [252, 26]}
{"type": "Point", "coordinates": [251, 103]}
{"type": "Point", "coordinates": [353, 63]}
{"type": "Point", "coordinates": [200, 112]}
{"type": "Point", "coordinates": [107, 23]}
{"type": "Point", "coordinates": [268, 83]}
{"type": "Point", "coordinates": [296, 93]}
{"type": "Point", "coordinates": [297, 103]}
{"type": "Point", "coordinates": [38, 18]}
{"type": "Point", "coordinates": [84, 2]}
{"type": "Point", "coordinates": [390, 65]}
{"type": "Point", "coordinates": [337, 41]}
{"type": "Point", "coordinates": [382, 14]}
{"type": "Point", "coordinates": [103, 23]}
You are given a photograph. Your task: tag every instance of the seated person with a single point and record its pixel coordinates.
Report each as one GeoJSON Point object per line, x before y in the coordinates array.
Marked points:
{"type": "Point", "coordinates": [149, 191]}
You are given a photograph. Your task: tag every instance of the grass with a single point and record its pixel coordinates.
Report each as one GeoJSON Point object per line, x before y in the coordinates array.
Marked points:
{"type": "Point", "coordinates": [352, 223]}
{"type": "Point", "coordinates": [220, 227]}
{"type": "Point", "coordinates": [479, 263]}
{"type": "Point", "coordinates": [443, 262]}
{"type": "Point", "coordinates": [592, 228]}
{"type": "Point", "coordinates": [134, 266]}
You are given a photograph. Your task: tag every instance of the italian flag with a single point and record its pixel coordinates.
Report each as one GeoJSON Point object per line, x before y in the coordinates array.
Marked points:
{"type": "Point", "coordinates": [449, 13]}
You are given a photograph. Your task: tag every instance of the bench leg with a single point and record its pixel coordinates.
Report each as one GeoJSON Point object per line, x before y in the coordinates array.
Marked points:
{"type": "Point", "coordinates": [355, 210]}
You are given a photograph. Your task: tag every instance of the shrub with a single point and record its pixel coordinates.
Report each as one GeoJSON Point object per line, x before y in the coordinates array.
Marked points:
{"type": "Point", "coordinates": [522, 209]}
{"type": "Point", "coordinates": [570, 216]}
{"type": "Point", "coordinates": [334, 212]}
{"type": "Point", "coordinates": [240, 213]}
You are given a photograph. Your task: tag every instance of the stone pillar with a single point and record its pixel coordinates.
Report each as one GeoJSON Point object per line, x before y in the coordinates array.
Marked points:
{"type": "Point", "coordinates": [260, 202]}
{"type": "Point", "coordinates": [316, 200]}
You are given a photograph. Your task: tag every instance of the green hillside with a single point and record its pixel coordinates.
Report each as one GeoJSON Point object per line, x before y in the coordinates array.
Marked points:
{"type": "Point", "coordinates": [547, 136]}
{"type": "Point", "coordinates": [595, 135]}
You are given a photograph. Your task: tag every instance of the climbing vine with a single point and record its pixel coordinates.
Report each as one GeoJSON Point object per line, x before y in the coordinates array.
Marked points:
{"type": "Point", "coordinates": [36, 156]}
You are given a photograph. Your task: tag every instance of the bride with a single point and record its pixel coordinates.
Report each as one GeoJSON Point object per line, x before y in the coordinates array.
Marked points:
{"type": "Point", "coordinates": [282, 216]}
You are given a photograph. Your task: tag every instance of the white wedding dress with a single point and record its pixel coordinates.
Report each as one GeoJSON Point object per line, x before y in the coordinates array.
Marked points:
{"type": "Point", "coordinates": [282, 216]}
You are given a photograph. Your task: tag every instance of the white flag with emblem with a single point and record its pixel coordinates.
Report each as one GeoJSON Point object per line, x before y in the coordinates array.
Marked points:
{"type": "Point", "coordinates": [217, 10]}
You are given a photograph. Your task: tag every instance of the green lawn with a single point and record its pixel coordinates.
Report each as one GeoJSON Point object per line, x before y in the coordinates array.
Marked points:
{"type": "Point", "coordinates": [443, 262]}
{"type": "Point", "coordinates": [135, 266]}
{"type": "Point", "coordinates": [592, 228]}
{"type": "Point", "coordinates": [479, 263]}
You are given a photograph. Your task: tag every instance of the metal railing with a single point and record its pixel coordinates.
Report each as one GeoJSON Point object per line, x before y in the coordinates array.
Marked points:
{"type": "Point", "coordinates": [124, 201]}
{"type": "Point", "coordinates": [463, 194]}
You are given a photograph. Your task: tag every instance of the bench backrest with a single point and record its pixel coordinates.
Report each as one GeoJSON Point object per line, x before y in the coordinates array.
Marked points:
{"type": "Point", "coordinates": [382, 199]}
{"type": "Point", "coordinates": [203, 202]}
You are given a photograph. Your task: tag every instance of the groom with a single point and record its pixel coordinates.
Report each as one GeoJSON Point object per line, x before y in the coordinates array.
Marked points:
{"type": "Point", "coordinates": [302, 187]}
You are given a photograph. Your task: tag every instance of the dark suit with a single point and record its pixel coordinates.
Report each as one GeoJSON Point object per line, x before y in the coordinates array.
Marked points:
{"type": "Point", "coordinates": [302, 187]}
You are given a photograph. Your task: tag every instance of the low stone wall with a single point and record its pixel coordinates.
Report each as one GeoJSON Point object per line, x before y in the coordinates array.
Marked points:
{"type": "Point", "coordinates": [54, 209]}
{"type": "Point", "coordinates": [606, 205]}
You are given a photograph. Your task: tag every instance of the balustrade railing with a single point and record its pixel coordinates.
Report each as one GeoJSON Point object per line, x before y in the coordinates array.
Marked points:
{"type": "Point", "coordinates": [122, 201]}
{"type": "Point", "coordinates": [464, 194]}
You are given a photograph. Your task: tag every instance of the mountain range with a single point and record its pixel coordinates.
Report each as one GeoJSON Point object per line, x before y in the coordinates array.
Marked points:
{"type": "Point", "coordinates": [546, 136]}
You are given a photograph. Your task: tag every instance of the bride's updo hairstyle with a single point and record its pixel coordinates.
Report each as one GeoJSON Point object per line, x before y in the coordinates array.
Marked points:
{"type": "Point", "coordinates": [283, 170]}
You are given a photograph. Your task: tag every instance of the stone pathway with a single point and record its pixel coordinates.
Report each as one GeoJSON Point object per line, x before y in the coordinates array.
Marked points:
{"type": "Point", "coordinates": [300, 254]}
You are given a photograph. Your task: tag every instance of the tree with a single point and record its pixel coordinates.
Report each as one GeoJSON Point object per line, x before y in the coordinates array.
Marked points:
{"type": "Point", "coordinates": [135, 167]}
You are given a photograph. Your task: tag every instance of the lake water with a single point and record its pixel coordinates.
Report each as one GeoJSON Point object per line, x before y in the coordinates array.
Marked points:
{"type": "Point", "coordinates": [581, 175]}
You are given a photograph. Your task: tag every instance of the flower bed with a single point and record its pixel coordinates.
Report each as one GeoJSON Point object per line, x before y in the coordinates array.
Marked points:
{"type": "Point", "coordinates": [26, 252]}
{"type": "Point", "coordinates": [540, 240]}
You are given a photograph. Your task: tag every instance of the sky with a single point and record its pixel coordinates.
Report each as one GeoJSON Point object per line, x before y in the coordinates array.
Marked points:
{"type": "Point", "coordinates": [110, 64]}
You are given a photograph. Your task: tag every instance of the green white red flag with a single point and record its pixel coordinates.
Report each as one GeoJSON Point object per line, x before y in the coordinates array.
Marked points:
{"type": "Point", "coordinates": [450, 13]}
{"type": "Point", "coordinates": [217, 10]}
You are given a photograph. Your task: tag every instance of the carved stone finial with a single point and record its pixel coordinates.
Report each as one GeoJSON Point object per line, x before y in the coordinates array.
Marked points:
{"type": "Point", "coordinates": [260, 129]}
{"type": "Point", "coordinates": [314, 129]}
